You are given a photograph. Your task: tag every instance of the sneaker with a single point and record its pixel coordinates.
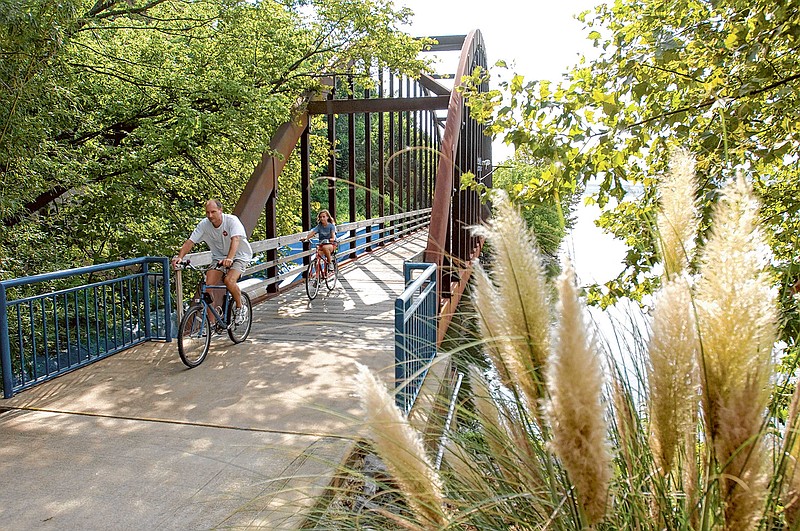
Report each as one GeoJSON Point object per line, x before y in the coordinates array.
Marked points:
{"type": "Point", "coordinates": [241, 315]}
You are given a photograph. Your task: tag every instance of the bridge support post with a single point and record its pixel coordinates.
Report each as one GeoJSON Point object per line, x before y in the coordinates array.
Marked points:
{"type": "Point", "coordinates": [5, 346]}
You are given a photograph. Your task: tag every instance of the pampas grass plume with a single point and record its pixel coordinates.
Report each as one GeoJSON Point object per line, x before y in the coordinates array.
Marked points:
{"type": "Point", "coordinates": [519, 285]}
{"type": "Point", "coordinates": [401, 449]}
{"type": "Point", "coordinates": [576, 412]}
{"type": "Point", "coordinates": [672, 379]}
{"type": "Point", "coordinates": [737, 318]}
{"type": "Point", "coordinates": [677, 217]}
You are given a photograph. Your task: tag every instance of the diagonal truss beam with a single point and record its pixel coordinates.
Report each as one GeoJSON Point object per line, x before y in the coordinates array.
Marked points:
{"type": "Point", "coordinates": [372, 105]}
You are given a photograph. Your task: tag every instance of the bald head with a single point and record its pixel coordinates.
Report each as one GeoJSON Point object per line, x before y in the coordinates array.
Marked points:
{"type": "Point", "coordinates": [214, 212]}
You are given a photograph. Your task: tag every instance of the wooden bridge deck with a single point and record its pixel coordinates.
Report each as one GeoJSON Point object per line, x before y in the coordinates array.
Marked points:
{"type": "Point", "coordinates": [246, 440]}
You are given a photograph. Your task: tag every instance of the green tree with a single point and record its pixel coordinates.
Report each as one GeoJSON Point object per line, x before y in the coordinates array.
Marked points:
{"type": "Point", "coordinates": [549, 216]}
{"type": "Point", "coordinates": [119, 117]}
{"type": "Point", "coordinates": [719, 77]}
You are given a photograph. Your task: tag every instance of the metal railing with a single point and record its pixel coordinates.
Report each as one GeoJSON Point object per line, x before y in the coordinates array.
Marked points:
{"type": "Point", "coordinates": [44, 335]}
{"type": "Point", "coordinates": [355, 238]}
{"type": "Point", "coordinates": [415, 313]}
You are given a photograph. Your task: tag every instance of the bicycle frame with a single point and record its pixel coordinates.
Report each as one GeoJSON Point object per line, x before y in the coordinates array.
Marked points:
{"type": "Point", "coordinates": [321, 256]}
{"type": "Point", "coordinates": [205, 289]}
{"type": "Point", "coordinates": [205, 298]}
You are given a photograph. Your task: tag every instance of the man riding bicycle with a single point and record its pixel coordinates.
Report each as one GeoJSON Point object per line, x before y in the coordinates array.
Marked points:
{"type": "Point", "coordinates": [230, 251]}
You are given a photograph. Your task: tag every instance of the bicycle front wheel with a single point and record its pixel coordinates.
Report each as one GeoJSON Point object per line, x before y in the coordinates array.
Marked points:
{"type": "Point", "coordinates": [194, 336]}
{"type": "Point", "coordinates": [312, 279]}
{"type": "Point", "coordinates": [333, 273]}
{"type": "Point", "coordinates": [238, 332]}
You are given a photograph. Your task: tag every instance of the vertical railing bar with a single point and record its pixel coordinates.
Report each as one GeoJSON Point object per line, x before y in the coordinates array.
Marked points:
{"type": "Point", "coordinates": [77, 325]}
{"type": "Point", "coordinates": [113, 287]}
{"type": "Point", "coordinates": [44, 339]}
{"type": "Point", "coordinates": [67, 328]}
{"type": "Point", "coordinates": [96, 320]}
{"type": "Point", "coordinates": [35, 372]}
{"type": "Point", "coordinates": [127, 310]}
{"type": "Point", "coordinates": [21, 343]}
{"type": "Point", "coordinates": [122, 313]}
{"type": "Point", "coordinates": [87, 323]}
{"type": "Point", "coordinates": [57, 332]}
{"type": "Point", "coordinates": [129, 305]}
{"type": "Point", "coordinates": [148, 330]}
{"type": "Point", "coordinates": [105, 317]}
{"type": "Point", "coordinates": [136, 307]}
{"type": "Point", "coordinates": [143, 326]}
{"type": "Point", "coordinates": [167, 303]}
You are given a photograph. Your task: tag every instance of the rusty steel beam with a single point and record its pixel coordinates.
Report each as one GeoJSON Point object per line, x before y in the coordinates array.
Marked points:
{"type": "Point", "coordinates": [375, 105]}
{"type": "Point", "coordinates": [263, 181]}
{"type": "Point", "coordinates": [430, 83]}
{"type": "Point", "coordinates": [447, 43]}
{"type": "Point", "coordinates": [440, 213]}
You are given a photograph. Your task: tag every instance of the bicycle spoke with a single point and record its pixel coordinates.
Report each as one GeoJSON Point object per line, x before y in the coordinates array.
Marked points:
{"type": "Point", "coordinates": [194, 336]}
{"type": "Point", "coordinates": [312, 279]}
{"type": "Point", "coordinates": [238, 332]}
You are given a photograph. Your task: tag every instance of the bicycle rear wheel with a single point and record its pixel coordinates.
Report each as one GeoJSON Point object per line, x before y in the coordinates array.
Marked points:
{"type": "Point", "coordinates": [239, 332]}
{"type": "Point", "coordinates": [333, 273]}
{"type": "Point", "coordinates": [312, 279]}
{"type": "Point", "coordinates": [194, 336]}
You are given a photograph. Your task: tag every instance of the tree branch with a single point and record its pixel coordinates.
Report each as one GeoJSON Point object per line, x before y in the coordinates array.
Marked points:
{"type": "Point", "coordinates": [710, 101]}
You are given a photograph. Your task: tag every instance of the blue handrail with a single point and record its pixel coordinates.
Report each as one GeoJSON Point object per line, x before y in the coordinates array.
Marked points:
{"type": "Point", "coordinates": [415, 332]}
{"type": "Point", "coordinates": [44, 335]}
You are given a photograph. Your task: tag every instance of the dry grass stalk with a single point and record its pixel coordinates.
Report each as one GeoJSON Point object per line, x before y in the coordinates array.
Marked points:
{"type": "Point", "coordinates": [690, 468]}
{"type": "Point", "coordinates": [677, 217]}
{"type": "Point", "coordinates": [501, 349]}
{"type": "Point", "coordinates": [401, 449]}
{"type": "Point", "coordinates": [791, 449]}
{"type": "Point", "coordinates": [521, 292]}
{"type": "Point", "coordinates": [672, 371]}
{"type": "Point", "coordinates": [576, 413]}
{"type": "Point", "coordinates": [737, 320]}
{"type": "Point", "coordinates": [494, 429]}
{"type": "Point", "coordinates": [625, 419]}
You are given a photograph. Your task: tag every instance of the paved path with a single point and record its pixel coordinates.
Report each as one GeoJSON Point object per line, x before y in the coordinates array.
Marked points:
{"type": "Point", "coordinates": [244, 441]}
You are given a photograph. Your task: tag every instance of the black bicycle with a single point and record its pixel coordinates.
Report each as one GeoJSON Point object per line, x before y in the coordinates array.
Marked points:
{"type": "Point", "coordinates": [321, 270]}
{"type": "Point", "coordinates": [195, 330]}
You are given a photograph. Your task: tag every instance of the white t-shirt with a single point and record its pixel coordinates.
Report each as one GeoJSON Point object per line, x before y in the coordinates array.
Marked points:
{"type": "Point", "coordinates": [219, 238]}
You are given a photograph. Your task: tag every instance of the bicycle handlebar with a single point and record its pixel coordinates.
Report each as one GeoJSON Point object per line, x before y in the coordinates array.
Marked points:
{"type": "Point", "coordinates": [320, 242]}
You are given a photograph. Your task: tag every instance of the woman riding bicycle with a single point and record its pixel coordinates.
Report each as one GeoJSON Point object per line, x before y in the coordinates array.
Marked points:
{"type": "Point", "coordinates": [326, 231]}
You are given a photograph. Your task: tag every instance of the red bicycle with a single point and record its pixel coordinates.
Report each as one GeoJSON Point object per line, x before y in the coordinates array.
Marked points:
{"type": "Point", "coordinates": [321, 270]}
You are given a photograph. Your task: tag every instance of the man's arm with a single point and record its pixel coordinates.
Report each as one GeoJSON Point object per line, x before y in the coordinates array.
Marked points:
{"type": "Point", "coordinates": [184, 250]}
{"type": "Point", "coordinates": [232, 251]}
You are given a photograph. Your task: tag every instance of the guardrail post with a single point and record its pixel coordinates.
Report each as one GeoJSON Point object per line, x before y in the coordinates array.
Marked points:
{"type": "Point", "coordinates": [400, 353]}
{"type": "Point", "coordinates": [148, 332]}
{"type": "Point", "coordinates": [165, 262]}
{"type": "Point", "coordinates": [5, 346]}
{"type": "Point", "coordinates": [178, 296]}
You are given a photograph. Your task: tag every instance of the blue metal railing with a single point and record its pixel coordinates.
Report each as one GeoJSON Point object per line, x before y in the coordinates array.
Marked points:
{"type": "Point", "coordinates": [48, 334]}
{"type": "Point", "coordinates": [415, 312]}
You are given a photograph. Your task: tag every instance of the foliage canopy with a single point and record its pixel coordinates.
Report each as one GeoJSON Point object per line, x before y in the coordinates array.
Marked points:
{"type": "Point", "coordinates": [717, 77]}
{"type": "Point", "coordinates": [118, 118]}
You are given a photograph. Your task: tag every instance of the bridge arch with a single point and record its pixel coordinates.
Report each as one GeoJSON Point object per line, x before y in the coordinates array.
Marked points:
{"type": "Point", "coordinates": [420, 159]}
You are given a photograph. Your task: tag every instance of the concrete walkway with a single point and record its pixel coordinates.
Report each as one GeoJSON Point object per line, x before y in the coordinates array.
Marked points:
{"type": "Point", "coordinates": [245, 441]}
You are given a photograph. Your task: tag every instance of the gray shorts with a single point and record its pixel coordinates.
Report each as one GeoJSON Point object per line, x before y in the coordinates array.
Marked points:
{"type": "Point", "coordinates": [238, 265]}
